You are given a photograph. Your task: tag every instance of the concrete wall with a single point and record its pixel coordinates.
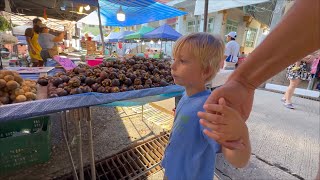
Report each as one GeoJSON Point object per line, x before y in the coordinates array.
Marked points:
{"type": "Point", "coordinates": [288, 5]}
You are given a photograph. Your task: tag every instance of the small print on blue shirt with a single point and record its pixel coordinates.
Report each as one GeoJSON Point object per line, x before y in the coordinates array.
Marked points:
{"type": "Point", "coordinates": [190, 154]}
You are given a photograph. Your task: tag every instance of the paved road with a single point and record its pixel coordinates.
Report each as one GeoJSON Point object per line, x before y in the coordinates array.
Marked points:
{"type": "Point", "coordinates": [285, 143]}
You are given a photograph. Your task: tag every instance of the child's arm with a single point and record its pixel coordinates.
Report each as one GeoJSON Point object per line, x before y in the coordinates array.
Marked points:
{"type": "Point", "coordinates": [227, 123]}
{"type": "Point", "coordinates": [239, 158]}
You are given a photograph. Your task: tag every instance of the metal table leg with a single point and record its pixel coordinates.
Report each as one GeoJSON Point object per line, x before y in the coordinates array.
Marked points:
{"type": "Point", "coordinates": [1, 67]}
{"type": "Point", "coordinates": [142, 113]}
{"type": "Point", "coordinates": [77, 119]}
{"type": "Point", "coordinates": [63, 117]}
{"type": "Point", "coordinates": [92, 163]}
{"type": "Point", "coordinates": [68, 117]}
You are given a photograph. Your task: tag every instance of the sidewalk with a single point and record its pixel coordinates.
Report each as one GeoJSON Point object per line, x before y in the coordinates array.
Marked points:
{"type": "Point", "coordinates": [285, 142]}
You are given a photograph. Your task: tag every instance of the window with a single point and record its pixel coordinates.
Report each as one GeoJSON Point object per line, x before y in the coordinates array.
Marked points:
{"type": "Point", "coordinates": [197, 26]}
{"type": "Point", "coordinates": [251, 37]}
{"type": "Point", "coordinates": [190, 26]}
{"type": "Point", "coordinates": [210, 25]}
{"type": "Point", "coordinates": [231, 26]}
{"type": "Point", "coordinates": [193, 26]}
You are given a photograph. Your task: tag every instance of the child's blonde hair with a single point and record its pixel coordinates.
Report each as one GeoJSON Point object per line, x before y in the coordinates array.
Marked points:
{"type": "Point", "coordinates": [208, 49]}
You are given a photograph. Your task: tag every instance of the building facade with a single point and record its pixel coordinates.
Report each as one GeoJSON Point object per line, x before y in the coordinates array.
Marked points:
{"type": "Point", "coordinates": [220, 23]}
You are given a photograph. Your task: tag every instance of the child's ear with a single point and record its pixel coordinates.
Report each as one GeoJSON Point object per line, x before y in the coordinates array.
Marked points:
{"type": "Point", "coordinates": [207, 73]}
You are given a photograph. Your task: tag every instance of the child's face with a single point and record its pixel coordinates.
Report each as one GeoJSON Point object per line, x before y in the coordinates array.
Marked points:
{"type": "Point", "coordinates": [186, 70]}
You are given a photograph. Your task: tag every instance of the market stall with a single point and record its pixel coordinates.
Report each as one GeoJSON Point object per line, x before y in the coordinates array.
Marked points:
{"type": "Point", "coordinates": [138, 35]}
{"type": "Point", "coordinates": [5, 39]}
{"type": "Point", "coordinates": [73, 91]}
{"type": "Point", "coordinates": [164, 32]}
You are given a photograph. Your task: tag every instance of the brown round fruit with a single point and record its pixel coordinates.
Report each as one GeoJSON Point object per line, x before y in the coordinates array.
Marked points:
{"type": "Point", "coordinates": [21, 98]}
{"type": "Point", "coordinates": [2, 83]}
{"type": "Point", "coordinates": [11, 85]}
{"type": "Point", "coordinates": [43, 81]}
{"type": "Point", "coordinates": [8, 78]}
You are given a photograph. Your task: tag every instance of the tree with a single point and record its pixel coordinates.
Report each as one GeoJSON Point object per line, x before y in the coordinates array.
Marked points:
{"type": "Point", "coordinates": [4, 24]}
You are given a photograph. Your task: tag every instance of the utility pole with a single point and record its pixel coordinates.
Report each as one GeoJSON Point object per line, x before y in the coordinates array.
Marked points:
{"type": "Point", "coordinates": [101, 33]}
{"type": "Point", "coordinates": [205, 20]}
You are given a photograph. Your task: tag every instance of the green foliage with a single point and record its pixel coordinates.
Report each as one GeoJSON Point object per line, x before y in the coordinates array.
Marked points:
{"type": "Point", "coordinates": [4, 24]}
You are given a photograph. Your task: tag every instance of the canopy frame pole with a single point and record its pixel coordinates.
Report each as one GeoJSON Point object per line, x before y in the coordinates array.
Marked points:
{"type": "Point", "coordinates": [141, 46]}
{"type": "Point", "coordinates": [160, 47]}
{"type": "Point", "coordinates": [205, 20]}
{"type": "Point", "coordinates": [101, 33]}
{"type": "Point", "coordinates": [165, 47]}
{"type": "Point", "coordinates": [137, 47]}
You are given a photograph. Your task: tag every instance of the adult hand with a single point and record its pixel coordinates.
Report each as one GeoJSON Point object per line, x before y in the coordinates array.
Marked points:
{"type": "Point", "coordinates": [237, 95]}
{"type": "Point", "coordinates": [226, 126]}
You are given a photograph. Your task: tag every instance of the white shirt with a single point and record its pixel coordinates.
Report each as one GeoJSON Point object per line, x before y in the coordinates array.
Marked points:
{"type": "Point", "coordinates": [232, 48]}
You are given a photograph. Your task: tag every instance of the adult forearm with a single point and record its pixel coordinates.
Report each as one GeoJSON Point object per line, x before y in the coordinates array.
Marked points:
{"type": "Point", "coordinates": [296, 36]}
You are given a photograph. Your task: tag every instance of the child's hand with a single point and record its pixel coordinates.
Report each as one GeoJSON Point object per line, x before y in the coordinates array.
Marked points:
{"type": "Point", "coordinates": [226, 125]}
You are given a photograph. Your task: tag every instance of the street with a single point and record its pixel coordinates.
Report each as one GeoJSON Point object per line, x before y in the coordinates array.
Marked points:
{"type": "Point", "coordinates": [285, 143]}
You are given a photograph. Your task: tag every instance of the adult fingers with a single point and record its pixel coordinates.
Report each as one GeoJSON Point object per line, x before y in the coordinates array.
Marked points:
{"type": "Point", "coordinates": [215, 95]}
{"type": "Point", "coordinates": [213, 118]}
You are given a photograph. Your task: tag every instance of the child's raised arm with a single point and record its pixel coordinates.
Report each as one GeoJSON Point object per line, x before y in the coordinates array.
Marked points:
{"type": "Point", "coordinates": [227, 124]}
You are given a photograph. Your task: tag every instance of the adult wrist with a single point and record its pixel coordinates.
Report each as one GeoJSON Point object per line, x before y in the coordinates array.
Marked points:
{"type": "Point", "coordinates": [243, 80]}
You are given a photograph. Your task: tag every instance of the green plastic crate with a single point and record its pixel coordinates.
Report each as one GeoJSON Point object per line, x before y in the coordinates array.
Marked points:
{"type": "Point", "coordinates": [24, 143]}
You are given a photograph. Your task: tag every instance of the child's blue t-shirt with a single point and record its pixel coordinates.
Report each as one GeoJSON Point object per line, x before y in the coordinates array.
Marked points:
{"type": "Point", "coordinates": [190, 154]}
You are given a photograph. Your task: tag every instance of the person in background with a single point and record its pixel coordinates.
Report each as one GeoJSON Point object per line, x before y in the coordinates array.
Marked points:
{"type": "Point", "coordinates": [47, 42]}
{"type": "Point", "coordinates": [296, 73]}
{"type": "Point", "coordinates": [33, 45]}
{"type": "Point", "coordinates": [231, 52]}
{"type": "Point", "coordinates": [263, 63]}
{"type": "Point", "coordinates": [241, 58]}
{"type": "Point", "coordinates": [191, 154]}
{"type": "Point", "coordinates": [315, 71]}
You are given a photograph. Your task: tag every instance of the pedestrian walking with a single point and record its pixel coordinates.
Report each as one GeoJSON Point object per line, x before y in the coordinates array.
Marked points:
{"type": "Point", "coordinates": [296, 73]}
{"type": "Point", "coordinates": [231, 51]}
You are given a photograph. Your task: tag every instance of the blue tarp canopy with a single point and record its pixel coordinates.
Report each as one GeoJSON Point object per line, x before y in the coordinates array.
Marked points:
{"type": "Point", "coordinates": [117, 36]}
{"type": "Point", "coordinates": [112, 37]}
{"type": "Point", "coordinates": [138, 35]}
{"type": "Point", "coordinates": [136, 11]}
{"type": "Point", "coordinates": [98, 38]}
{"type": "Point", "coordinates": [165, 32]}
